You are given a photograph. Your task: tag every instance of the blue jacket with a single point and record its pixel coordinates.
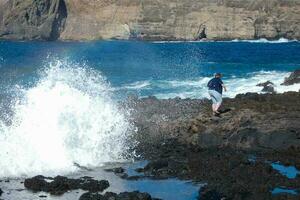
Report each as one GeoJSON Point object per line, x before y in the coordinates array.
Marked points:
{"type": "Point", "coordinates": [215, 84]}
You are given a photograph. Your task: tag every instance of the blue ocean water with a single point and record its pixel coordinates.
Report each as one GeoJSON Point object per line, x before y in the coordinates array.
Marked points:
{"type": "Point", "coordinates": [60, 96]}
{"type": "Point", "coordinates": [158, 69]}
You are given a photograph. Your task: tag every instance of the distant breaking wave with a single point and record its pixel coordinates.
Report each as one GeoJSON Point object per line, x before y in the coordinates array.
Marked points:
{"type": "Point", "coordinates": [262, 40]}
{"type": "Point", "coordinates": [67, 117]}
{"type": "Point", "coordinates": [196, 88]}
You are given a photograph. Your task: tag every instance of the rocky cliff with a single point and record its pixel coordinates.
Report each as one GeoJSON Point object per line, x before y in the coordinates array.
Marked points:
{"type": "Point", "coordinates": [32, 19]}
{"type": "Point", "coordinates": [149, 19]}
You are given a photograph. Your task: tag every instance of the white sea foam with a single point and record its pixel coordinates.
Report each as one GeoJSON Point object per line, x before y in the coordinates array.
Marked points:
{"type": "Point", "coordinates": [263, 40]}
{"type": "Point", "coordinates": [137, 85]}
{"type": "Point", "coordinates": [67, 117]}
{"type": "Point", "coordinates": [236, 85]}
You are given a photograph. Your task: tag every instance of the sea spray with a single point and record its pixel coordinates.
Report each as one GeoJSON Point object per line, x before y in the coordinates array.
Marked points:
{"type": "Point", "coordinates": [67, 117]}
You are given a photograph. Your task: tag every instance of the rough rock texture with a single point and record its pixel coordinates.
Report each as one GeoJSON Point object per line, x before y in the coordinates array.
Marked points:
{"type": "Point", "coordinates": [60, 184]}
{"type": "Point", "coordinates": [249, 121]}
{"type": "Point", "coordinates": [268, 86]}
{"type": "Point", "coordinates": [31, 19]}
{"type": "Point", "coordinates": [153, 20]}
{"type": "Point", "coordinates": [231, 153]}
{"type": "Point", "coordinates": [228, 172]}
{"type": "Point", "coordinates": [293, 78]}
{"type": "Point", "coordinates": [113, 196]}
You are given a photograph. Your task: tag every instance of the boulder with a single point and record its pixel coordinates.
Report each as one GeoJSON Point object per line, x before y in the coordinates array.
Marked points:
{"type": "Point", "coordinates": [60, 184]}
{"type": "Point", "coordinates": [264, 84]}
{"type": "Point", "coordinates": [293, 78]}
{"type": "Point", "coordinates": [268, 87]}
{"type": "Point", "coordinates": [118, 170]}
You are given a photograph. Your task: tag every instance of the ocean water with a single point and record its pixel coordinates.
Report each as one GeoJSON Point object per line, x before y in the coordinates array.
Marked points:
{"type": "Point", "coordinates": [59, 100]}
{"type": "Point", "coordinates": [162, 69]}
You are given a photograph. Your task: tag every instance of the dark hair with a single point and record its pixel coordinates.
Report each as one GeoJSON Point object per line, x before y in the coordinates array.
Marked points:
{"type": "Point", "coordinates": [218, 74]}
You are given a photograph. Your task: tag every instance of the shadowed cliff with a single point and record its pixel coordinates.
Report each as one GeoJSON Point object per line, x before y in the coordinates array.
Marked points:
{"type": "Point", "coordinates": [31, 19]}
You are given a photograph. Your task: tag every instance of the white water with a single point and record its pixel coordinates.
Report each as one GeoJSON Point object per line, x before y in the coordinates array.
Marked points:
{"type": "Point", "coordinates": [196, 88]}
{"type": "Point", "coordinates": [261, 40]}
{"type": "Point", "coordinates": [67, 117]}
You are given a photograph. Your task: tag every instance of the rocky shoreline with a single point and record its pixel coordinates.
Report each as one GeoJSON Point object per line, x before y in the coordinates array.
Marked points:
{"type": "Point", "coordinates": [233, 156]}
{"type": "Point", "coordinates": [182, 139]}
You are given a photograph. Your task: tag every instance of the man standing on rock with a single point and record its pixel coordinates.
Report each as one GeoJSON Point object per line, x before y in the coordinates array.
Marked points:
{"type": "Point", "coordinates": [215, 89]}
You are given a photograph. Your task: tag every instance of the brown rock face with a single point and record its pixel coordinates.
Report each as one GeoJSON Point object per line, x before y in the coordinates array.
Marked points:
{"type": "Point", "coordinates": [31, 19]}
{"type": "Point", "coordinates": [156, 20]}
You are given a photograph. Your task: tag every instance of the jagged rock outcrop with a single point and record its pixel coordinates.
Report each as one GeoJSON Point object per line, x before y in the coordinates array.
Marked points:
{"type": "Point", "coordinates": [268, 86]}
{"type": "Point", "coordinates": [293, 78]}
{"type": "Point", "coordinates": [153, 20]}
{"type": "Point", "coordinates": [60, 184]}
{"type": "Point", "coordinates": [32, 19]}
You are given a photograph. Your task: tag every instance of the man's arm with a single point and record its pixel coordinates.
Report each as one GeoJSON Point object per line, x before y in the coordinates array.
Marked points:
{"type": "Point", "coordinates": [225, 89]}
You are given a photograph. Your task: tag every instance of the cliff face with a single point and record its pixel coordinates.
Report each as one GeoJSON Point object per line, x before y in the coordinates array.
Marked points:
{"type": "Point", "coordinates": [32, 19]}
{"type": "Point", "coordinates": [151, 19]}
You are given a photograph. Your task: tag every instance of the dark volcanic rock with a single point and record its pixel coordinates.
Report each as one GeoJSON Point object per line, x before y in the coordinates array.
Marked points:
{"type": "Point", "coordinates": [60, 184]}
{"type": "Point", "coordinates": [1, 192]}
{"type": "Point", "coordinates": [207, 194]}
{"type": "Point", "coordinates": [118, 170]}
{"type": "Point", "coordinates": [293, 78]}
{"type": "Point", "coordinates": [180, 138]}
{"type": "Point", "coordinates": [30, 19]}
{"type": "Point", "coordinates": [228, 172]}
{"type": "Point", "coordinates": [255, 121]}
{"type": "Point", "coordinates": [113, 196]}
{"type": "Point", "coordinates": [265, 84]}
{"type": "Point", "coordinates": [269, 89]}
{"type": "Point", "coordinates": [268, 86]}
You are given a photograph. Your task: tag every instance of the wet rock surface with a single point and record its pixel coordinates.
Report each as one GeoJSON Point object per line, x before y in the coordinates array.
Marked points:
{"type": "Point", "coordinates": [60, 184]}
{"type": "Point", "coordinates": [113, 196]}
{"type": "Point", "coordinates": [228, 172]}
{"type": "Point", "coordinates": [293, 78]}
{"type": "Point", "coordinates": [181, 138]}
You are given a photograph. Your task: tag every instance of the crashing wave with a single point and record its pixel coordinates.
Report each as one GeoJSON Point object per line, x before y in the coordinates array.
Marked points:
{"type": "Point", "coordinates": [67, 117]}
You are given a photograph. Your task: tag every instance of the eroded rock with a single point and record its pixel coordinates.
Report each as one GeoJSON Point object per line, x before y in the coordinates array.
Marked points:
{"type": "Point", "coordinates": [113, 196]}
{"type": "Point", "coordinates": [293, 78]}
{"type": "Point", "coordinates": [30, 19]}
{"type": "Point", "coordinates": [61, 184]}
{"type": "Point", "coordinates": [150, 20]}
{"type": "Point", "coordinates": [268, 86]}
{"type": "Point", "coordinates": [180, 138]}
